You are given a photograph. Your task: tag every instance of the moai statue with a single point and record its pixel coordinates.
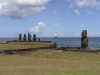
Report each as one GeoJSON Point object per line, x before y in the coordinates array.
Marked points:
{"type": "Point", "coordinates": [29, 37]}
{"type": "Point", "coordinates": [20, 37]}
{"type": "Point", "coordinates": [39, 39]}
{"type": "Point", "coordinates": [34, 37]}
{"type": "Point", "coordinates": [84, 39]}
{"type": "Point", "coordinates": [24, 38]}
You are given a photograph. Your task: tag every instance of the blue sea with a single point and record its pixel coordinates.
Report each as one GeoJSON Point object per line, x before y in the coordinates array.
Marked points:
{"type": "Point", "coordinates": [94, 42]}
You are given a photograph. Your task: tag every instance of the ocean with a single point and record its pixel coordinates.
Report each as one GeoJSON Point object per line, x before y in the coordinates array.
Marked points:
{"type": "Point", "coordinates": [94, 42]}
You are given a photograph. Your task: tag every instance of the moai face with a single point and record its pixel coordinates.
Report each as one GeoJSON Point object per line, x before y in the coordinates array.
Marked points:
{"type": "Point", "coordinates": [84, 33]}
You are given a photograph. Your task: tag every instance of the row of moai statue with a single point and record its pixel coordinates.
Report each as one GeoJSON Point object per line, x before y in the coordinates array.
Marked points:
{"type": "Point", "coordinates": [29, 37]}
{"type": "Point", "coordinates": [84, 39]}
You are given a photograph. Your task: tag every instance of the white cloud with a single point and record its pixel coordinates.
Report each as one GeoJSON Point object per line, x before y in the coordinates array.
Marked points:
{"type": "Point", "coordinates": [39, 28]}
{"type": "Point", "coordinates": [83, 3]}
{"type": "Point", "coordinates": [21, 8]}
{"type": "Point", "coordinates": [76, 11]}
{"type": "Point", "coordinates": [56, 24]}
{"type": "Point", "coordinates": [61, 33]}
{"type": "Point", "coordinates": [94, 33]}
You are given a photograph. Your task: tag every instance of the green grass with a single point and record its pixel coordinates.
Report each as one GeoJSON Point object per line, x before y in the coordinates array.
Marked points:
{"type": "Point", "coordinates": [23, 45]}
{"type": "Point", "coordinates": [50, 62]}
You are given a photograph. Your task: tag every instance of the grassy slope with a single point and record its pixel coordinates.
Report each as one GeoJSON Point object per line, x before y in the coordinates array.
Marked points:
{"type": "Point", "coordinates": [50, 62]}
{"type": "Point", "coordinates": [22, 45]}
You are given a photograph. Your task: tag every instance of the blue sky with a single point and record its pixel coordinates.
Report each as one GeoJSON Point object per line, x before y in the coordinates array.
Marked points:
{"type": "Point", "coordinates": [67, 18]}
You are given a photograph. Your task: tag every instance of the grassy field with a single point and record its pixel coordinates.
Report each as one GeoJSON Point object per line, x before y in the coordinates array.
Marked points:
{"type": "Point", "coordinates": [23, 45]}
{"type": "Point", "coordinates": [50, 62]}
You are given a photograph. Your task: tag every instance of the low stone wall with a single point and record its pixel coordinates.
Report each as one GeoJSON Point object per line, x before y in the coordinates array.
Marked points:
{"type": "Point", "coordinates": [29, 49]}
{"type": "Point", "coordinates": [77, 49]}
{"type": "Point", "coordinates": [31, 41]}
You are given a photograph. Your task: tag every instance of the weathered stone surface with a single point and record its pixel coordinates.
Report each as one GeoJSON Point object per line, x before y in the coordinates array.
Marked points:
{"type": "Point", "coordinates": [84, 42]}
{"type": "Point", "coordinates": [34, 37]}
{"type": "Point", "coordinates": [24, 38]}
{"type": "Point", "coordinates": [29, 37]}
{"type": "Point", "coordinates": [20, 37]}
{"type": "Point", "coordinates": [84, 39]}
{"type": "Point", "coordinates": [84, 33]}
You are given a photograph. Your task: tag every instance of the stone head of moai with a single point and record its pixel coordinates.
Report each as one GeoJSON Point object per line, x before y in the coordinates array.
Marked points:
{"type": "Point", "coordinates": [84, 33]}
{"type": "Point", "coordinates": [84, 39]}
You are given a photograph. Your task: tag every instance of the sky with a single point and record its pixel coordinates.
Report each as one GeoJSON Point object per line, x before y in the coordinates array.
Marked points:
{"type": "Point", "coordinates": [67, 18]}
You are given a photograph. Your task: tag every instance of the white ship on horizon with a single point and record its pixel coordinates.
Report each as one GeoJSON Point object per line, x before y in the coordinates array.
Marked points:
{"type": "Point", "coordinates": [56, 35]}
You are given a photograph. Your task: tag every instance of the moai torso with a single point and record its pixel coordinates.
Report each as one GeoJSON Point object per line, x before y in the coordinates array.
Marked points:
{"type": "Point", "coordinates": [84, 39]}
{"type": "Point", "coordinates": [39, 39]}
{"type": "Point", "coordinates": [24, 38]}
{"type": "Point", "coordinates": [34, 38]}
{"type": "Point", "coordinates": [29, 37]}
{"type": "Point", "coordinates": [20, 37]}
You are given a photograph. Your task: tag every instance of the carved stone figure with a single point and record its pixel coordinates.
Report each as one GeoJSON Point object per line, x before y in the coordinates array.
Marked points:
{"type": "Point", "coordinates": [39, 39]}
{"type": "Point", "coordinates": [20, 37]}
{"type": "Point", "coordinates": [84, 39]}
{"type": "Point", "coordinates": [29, 37]}
{"type": "Point", "coordinates": [24, 38]}
{"type": "Point", "coordinates": [34, 37]}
